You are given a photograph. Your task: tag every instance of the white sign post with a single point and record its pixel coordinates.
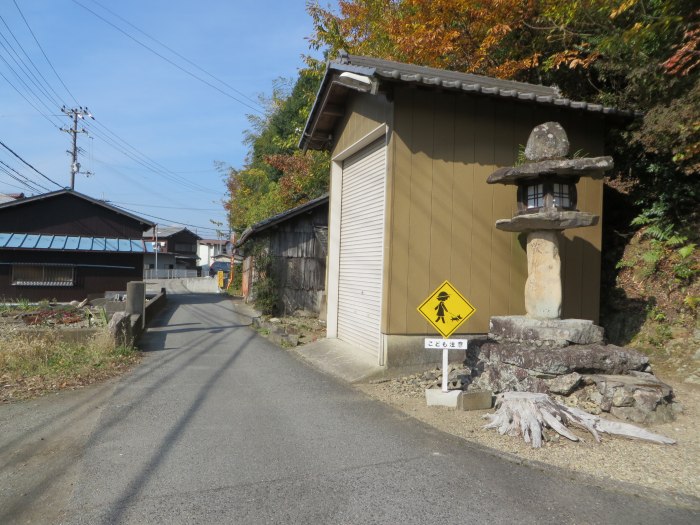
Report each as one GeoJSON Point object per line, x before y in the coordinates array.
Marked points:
{"type": "Point", "coordinates": [446, 345]}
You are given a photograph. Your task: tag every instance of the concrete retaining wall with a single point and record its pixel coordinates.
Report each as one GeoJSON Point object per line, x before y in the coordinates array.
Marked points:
{"type": "Point", "coordinates": [183, 286]}
{"type": "Point", "coordinates": [127, 328]}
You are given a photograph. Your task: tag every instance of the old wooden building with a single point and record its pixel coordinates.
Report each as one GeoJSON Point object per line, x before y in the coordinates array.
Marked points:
{"type": "Point", "coordinates": [411, 150]}
{"type": "Point", "coordinates": [67, 246]}
{"type": "Point", "coordinates": [296, 241]}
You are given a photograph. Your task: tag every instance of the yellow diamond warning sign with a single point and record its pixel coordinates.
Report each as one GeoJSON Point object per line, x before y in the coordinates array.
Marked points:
{"type": "Point", "coordinates": [446, 309]}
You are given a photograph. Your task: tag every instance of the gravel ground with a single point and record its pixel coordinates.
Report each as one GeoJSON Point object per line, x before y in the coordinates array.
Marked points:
{"type": "Point", "coordinates": [671, 469]}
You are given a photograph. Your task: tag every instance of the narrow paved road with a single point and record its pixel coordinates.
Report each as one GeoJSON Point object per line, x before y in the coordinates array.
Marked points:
{"type": "Point", "coordinates": [219, 426]}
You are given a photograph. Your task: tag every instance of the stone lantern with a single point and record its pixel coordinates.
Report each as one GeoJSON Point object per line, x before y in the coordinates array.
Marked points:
{"type": "Point", "coordinates": [540, 352]}
{"type": "Point", "coordinates": [547, 205]}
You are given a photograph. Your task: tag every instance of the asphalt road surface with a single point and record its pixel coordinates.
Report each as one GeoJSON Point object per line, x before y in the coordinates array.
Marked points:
{"type": "Point", "coordinates": [217, 425]}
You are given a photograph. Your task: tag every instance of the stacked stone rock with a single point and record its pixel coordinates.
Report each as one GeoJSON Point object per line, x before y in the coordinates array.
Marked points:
{"type": "Point", "coordinates": [540, 352]}
{"type": "Point", "coordinates": [569, 359]}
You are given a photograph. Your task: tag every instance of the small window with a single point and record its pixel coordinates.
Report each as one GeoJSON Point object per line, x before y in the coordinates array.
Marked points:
{"type": "Point", "coordinates": [535, 196]}
{"type": "Point", "coordinates": [561, 196]}
{"type": "Point", "coordinates": [42, 275]}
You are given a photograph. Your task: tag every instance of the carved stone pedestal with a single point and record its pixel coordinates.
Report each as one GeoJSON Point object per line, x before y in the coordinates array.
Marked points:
{"type": "Point", "coordinates": [543, 296]}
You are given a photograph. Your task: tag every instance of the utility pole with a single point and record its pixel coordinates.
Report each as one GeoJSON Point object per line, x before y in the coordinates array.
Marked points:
{"type": "Point", "coordinates": [75, 114]}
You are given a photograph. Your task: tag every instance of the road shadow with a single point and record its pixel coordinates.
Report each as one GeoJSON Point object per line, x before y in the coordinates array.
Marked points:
{"type": "Point", "coordinates": [27, 445]}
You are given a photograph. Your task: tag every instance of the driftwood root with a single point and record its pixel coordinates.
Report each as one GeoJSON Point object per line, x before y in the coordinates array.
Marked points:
{"type": "Point", "coordinates": [526, 414]}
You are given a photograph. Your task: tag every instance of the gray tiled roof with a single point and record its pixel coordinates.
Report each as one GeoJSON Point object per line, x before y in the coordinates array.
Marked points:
{"type": "Point", "coordinates": [397, 71]}
{"type": "Point", "coordinates": [167, 231]}
{"type": "Point", "coordinates": [386, 71]}
{"type": "Point", "coordinates": [45, 196]}
{"type": "Point", "coordinates": [281, 217]}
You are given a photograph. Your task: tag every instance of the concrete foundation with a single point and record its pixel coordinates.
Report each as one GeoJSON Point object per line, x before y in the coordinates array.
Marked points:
{"type": "Point", "coordinates": [459, 399]}
{"type": "Point", "coordinates": [476, 400]}
{"type": "Point", "coordinates": [436, 397]}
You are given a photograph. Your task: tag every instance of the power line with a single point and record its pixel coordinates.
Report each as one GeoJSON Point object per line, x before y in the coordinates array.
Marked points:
{"type": "Point", "coordinates": [42, 52]}
{"type": "Point", "coordinates": [29, 165]}
{"type": "Point", "coordinates": [167, 207]}
{"type": "Point", "coordinates": [175, 52]}
{"type": "Point", "coordinates": [167, 220]}
{"type": "Point", "coordinates": [24, 179]}
{"type": "Point", "coordinates": [257, 110]}
{"type": "Point", "coordinates": [13, 186]}
{"type": "Point", "coordinates": [28, 101]}
{"type": "Point", "coordinates": [30, 90]}
{"type": "Point", "coordinates": [126, 149]}
{"type": "Point", "coordinates": [46, 82]}
{"type": "Point", "coordinates": [28, 73]}
{"type": "Point", "coordinates": [18, 179]}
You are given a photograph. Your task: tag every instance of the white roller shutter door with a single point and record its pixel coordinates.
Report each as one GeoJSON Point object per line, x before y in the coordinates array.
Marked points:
{"type": "Point", "coordinates": [362, 248]}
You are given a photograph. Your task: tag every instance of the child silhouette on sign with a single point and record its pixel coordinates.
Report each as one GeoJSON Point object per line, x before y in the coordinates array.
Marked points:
{"type": "Point", "coordinates": [441, 308]}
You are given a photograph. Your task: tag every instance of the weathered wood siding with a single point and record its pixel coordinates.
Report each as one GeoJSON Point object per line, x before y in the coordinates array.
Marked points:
{"type": "Point", "coordinates": [441, 213]}
{"type": "Point", "coordinates": [299, 260]}
{"type": "Point", "coordinates": [95, 273]}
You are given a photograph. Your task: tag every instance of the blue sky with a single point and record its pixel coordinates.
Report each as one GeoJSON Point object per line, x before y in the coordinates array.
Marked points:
{"type": "Point", "coordinates": [142, 105]}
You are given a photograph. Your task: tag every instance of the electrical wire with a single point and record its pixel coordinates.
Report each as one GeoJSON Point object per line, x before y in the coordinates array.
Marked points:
{"type": "Point", "coordinates": [167, 207]}
{"type": "Point", "coordinates": [29, 101]}
{"type": "Point", "coordinates": [13, 186]}
{"type": "Point", "coordinates": [29, 165]}
{"type": "Point", "coordinates": [257, 110]}
{"type": "Point", "coordinates": [102, 132]}
{"type": "Point", "coordinates": [18, 179]}
{"type": "Point", "coordinates": [30, 90]}
{"type": "Point", "coordinates": [167, 220]}
{"type": "Point", "coordinates": [126, 149]}
{"type": "Point", "coordinates": [28, 73]}
{"type": "Point", "coordinates": [146, 189]}
{"type": "Point", "coordinates": [46, 82]}
{"type": "Point", "coordinates": [43, 53]}
{"type": "Point", "coordinates": [24, 179]}
{"type": "Point", "coordinates": [257, 103]}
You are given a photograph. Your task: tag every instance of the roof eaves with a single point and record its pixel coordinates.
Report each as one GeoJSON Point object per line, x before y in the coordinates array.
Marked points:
{"type": "Point", "coordinates": [65, 191]}
{"type": "Point", "coordinates": [280, 217]}
{"type": "Point", "coordinates": [397, 72]}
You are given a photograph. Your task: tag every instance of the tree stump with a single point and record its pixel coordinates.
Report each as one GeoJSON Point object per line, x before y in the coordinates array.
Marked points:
{"type": "Point", "coordinates": [526, 414]}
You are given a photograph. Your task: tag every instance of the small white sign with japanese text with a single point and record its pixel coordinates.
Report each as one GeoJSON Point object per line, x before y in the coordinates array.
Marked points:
{"type": "Point", "coordinates": [446, 344]}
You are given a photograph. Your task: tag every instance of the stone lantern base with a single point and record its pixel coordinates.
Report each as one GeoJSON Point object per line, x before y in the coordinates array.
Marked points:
{"type": "Point", "coordinates": [569, 359]}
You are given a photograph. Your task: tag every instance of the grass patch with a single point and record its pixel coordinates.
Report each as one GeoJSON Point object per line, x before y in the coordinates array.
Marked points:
{"type": "Point", "coordinates": [35, 364]}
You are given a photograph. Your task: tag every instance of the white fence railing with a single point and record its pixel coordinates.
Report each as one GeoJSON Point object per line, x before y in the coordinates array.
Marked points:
{"type": "Point", "coordinates": [169, 274]}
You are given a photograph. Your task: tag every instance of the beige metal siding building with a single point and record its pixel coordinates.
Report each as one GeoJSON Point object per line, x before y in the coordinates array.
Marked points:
{"type": "Point", "coordinates": [410, 207]}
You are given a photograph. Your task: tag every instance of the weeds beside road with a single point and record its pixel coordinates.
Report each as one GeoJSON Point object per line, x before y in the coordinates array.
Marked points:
{"type": "Point", "coordinates": [35, 364]}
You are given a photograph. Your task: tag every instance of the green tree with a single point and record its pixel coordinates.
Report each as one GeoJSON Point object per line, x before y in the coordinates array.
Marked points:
{"type": "Point", "coordinates": [277, 176]}
{"type": "Point", "coordinates": [638, 54]}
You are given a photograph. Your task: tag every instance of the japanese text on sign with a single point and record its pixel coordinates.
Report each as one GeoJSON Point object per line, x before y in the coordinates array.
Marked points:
{"type": "Point", "coordinates": [450, 344]}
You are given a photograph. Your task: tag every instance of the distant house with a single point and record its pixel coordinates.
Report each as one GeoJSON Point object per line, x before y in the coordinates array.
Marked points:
{"type": "Point", "coordinates": [297, 242]}
{"type": "Point", "coordinates": [411, 149]}
{"type": "Point", "coordinates": [8, 197]}
{"type": "Point", "coordinates": [65, 245]}
{"type": "Point", "coordinates": [176, 246]}
{"type": "Point", "coordinates": [209, 251]}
